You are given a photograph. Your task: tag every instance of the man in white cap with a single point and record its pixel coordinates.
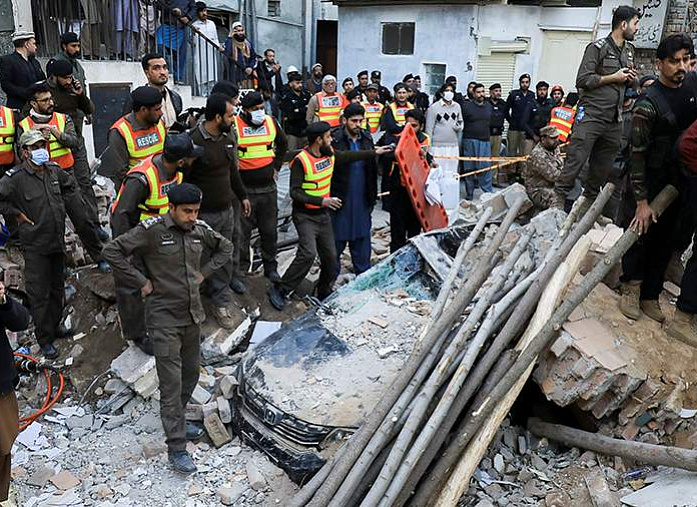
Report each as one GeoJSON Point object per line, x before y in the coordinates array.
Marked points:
{"type": "Point", "coordinates": [20, 69]}
{"type": "Point", "coordinates": [327, 104]}
{"type": "Point", "coordinates": [242, 59]}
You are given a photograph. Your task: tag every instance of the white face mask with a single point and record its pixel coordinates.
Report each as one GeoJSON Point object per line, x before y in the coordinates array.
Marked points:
{"type": "Point", "coordinates": [257, 116]}
{"type": "Point", "coordinates": [448, 96]}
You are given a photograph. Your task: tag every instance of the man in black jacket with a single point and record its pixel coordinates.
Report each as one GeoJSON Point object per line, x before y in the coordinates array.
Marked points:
{"type": "Point", "coordinates": [20, 69]}
{"type": "Point", "coordinates": [537, 115]}
{"type": "Point", "coordinates": [498, 115]}
{"type": "Point", "coordinates": [293, 105]}
{"type": "Point", "coordinates": [15, 317]}
{"type": "Point", "coordinates": [357, 187]}
{"type": "Point", "coordinates": [516, 105]}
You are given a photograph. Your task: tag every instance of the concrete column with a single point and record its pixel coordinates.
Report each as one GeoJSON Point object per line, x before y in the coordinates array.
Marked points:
{"type": "Point", "coordinates": [21, 10]}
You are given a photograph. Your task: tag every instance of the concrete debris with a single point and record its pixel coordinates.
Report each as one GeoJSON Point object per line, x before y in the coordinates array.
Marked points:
{"type": "Point", "coordinates": [132, 364]}
{"type": "Point", "coordinates": [221, 343]}
{"type": "Point", "coordinates": [216, 430]}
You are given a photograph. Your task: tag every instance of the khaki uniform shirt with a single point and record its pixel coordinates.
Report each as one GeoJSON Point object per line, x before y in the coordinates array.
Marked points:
{"type": "Point", "coordinates": [172, 259]}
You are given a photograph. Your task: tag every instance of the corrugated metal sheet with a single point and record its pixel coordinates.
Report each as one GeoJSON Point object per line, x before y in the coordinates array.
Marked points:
{"type": "Point", "coordinates": [497, 68]}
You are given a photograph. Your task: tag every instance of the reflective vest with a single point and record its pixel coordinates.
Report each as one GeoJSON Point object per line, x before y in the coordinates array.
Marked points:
{"type": "Point", "coordinates": [157, 202]}
{"type": "Point", "coordinates": [398, 112]}
{"type": "Point", "coordinates": [330, 107]}
{"type": "Point", "coordinates": [563, 118]}
{"type": "Point", "coordinates": [59, 154]}
{"type": "Point", "coordinates": [141, 144]}
{"type": "Point", "coordinates": [373, 115]}
{"type": "Point", "coordinates": [7, 135]}
{"type": "Point", "coordinates": [255, 144]}
{"type": "Point", "coordinates": [317, 175]}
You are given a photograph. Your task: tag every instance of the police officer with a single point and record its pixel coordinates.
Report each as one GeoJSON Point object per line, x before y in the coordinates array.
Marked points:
{"type": "Point", "coordinates": [310, 183]}
{"type": "Point", "coordinates": [261, 146]}
{"type": "Point", "coordinates": [293, 105]}
{"type": "Point", "coordinates": [135, 136]}
{"type": "Point", "coordinates": [384, 94]}
{"type": "Point", "coordinates": [606, 69]}
{"type": "Point", "coordinates": [658, 120]}
{"type": "Point", "coordinates": [170, 247]}
{"type": "Point", "coordinates": [143, 195]}
{"type": "Point", "coordinates": [517, 105]}
{"type": "Point", "coordinates": [37, 193]}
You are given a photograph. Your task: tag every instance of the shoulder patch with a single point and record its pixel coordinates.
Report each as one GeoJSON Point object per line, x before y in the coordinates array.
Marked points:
{"type": "Point", "coordinates": [149, 222]}
{"type": "Point", "coordinates": [600, 43]}
{"type": "Point", "coordinates": [201, 223]}
{"type": "Point", "coordinates": [12, 171]}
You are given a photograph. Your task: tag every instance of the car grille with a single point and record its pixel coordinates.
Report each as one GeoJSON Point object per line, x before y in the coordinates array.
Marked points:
{"type": "Point", "coordinates": [287, 426]}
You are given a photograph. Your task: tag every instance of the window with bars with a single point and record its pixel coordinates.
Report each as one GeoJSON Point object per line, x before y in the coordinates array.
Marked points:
{"type": "Point", "coordinates": [274, 10]}
{"type": "Point", "coordinates": [398, 38]}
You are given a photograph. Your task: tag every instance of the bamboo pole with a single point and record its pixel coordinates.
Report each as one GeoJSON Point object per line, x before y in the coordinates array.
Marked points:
{"type": "Point", "coordinates": [645, 453]}
{"type": "Point", "coordinates": [526, 359]}
{"type": "Point", "coordinates": [513, 327]}
{"type": "Point", "coordinates": [357, 443]}
{"type": "Point", "coordinates": [549, 301]}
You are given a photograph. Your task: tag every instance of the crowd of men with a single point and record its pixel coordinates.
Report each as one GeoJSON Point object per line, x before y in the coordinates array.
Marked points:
{"type": "Point", "coordinates": [192, 186]}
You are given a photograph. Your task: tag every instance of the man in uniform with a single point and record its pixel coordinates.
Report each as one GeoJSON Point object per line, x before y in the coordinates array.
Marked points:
{"type": "Point", "coordinates": [498, 115]}
{"type": "Point", "coordinates": [327, 104]}
{"type": "Point", "coordinates": [63, 141]}
{"type": "Point", "coordinates": [170, 247]}
{"type": "Point", "coordinates": [537, 115]}
{"type": "Point", "coordinates": [143, 195]}
{"type": "Point", "coordinates": [216, 174]}
{"type": "Point", "coordinates": [606, 69]}
{"type": "Point", "coordinates": [293, 105]}
{"type": "Point", "coordinates": [659, 118]}
{"type": "Point", "coordinates": [37, 193]}
{"type": "Point", "coordinates": [261, 146]}
{"type": "Point", "coordinates": [135, 136]}
{"type": "Point", "coordinates": [310, 182]}
{"type": "Point", "coordinates": [384, 94]}
{"type": "Point", "coordinates": [517, 105]}
{"type": "Point", "coordinates": [373, 109]}
{"type": "Point", "coordinates": [543, 168]}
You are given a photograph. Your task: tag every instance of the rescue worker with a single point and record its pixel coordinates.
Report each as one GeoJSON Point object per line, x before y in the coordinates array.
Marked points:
{"type": "Point", "coordinates": [218, 177]}
{"type": "Point", "coordinates": [261, 146]}
{"type": "Point", "coordinates": [373, 109]}
{"type": "Point", "coordinates": [310, 183]}
{"type": "Point", "coordinates": [384, 94]}
{"type": "Point", "coordinates": [293, 105]}
{"type": "Point", "coordinates": [393, 119]}
{"type": "Point", "coordinates": [563, 116]}
{"type": "Point", "coordinates": [606, 69]}
{"type": "Point", "coordinates": [543, 168]}
{"type": "Point", "coordinates": [143, 195]}
{"type": "Point", "coordinates": [327, 104]}
{"type": "Point", "coordinates": [37, 194]}
{"type": "Point", "coordinates": [135, 136]}
{"type": "Point", "coordinates": [63, 141]}
{"type": "Point", "coordinates": [557, 95]}
{"type": "Point", "coordinates": [13, 317]}
{"type": "Point", "coordinates": [8, 128]}
{"type": "Point", "coordinates": [356, 185]}
{"type": "Point", "coordinates": [404, 223]}
{"type": "Point", "coordinates": [659, 118]}
{"type": "Point", "coordinates": [517, 104]}
{"type": "Point", "coordinates": [70, 98]}
{"type": "Point", "coordinates": [171, 247]}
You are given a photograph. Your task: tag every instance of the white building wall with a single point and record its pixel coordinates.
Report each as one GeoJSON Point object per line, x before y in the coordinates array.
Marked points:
{"type": "Point", "coordinates": [449, 34]}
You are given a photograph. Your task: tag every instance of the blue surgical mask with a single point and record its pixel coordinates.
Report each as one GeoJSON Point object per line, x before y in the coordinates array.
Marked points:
{"type": "Point", "coordinates": [257, 116]}
{"type": "Point", "coordinates": [40, 156]}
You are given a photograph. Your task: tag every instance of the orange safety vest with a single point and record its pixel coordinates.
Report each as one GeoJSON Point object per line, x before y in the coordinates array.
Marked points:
{"type": "Point", "coordinates": [398, 112]}
{"type": "Point", "coordinates": [255, 144]}
{"type": "Point", "coordinates": [330, 107]}
{"type": "Point", "coordinates": [563, 117]}
{"type": "Point", "coordinates": [317, 175]}
{"type": "Point", "coordinates": [7, 135]}
{"type": "Point", "coordinates": [373, 115]}
{"type": "Point", "coordinates": [157, 202]}
{"type": "Point", "coordinates": [59, 154]}
{"type": "Point", "coordinates": [141, 144]}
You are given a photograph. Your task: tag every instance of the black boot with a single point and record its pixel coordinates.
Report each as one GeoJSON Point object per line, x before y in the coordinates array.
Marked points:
{"type": "Point", "coordinates": [193, 431]}
{"type": "Point", "coordinates": [277, 297]}
{"type": "Point", "coordinates": [181, 461]}
{"type": "Point", "coordinates": [145, 344]}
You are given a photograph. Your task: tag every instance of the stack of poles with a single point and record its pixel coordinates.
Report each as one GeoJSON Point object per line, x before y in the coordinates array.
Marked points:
{"type": "Point", "coordinates": [423, 440]}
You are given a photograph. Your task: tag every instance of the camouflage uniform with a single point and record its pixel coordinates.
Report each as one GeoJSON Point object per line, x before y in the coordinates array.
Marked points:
{"type": "Point", "coordinates": [540, 173]}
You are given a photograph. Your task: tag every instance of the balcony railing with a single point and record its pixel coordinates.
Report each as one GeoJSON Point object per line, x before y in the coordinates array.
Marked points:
{"type": "Point", "coordinates": [125, 30]}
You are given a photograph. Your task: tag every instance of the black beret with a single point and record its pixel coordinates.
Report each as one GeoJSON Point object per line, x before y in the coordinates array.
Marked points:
{"type": "Point", "coordinates": [69, 38]}
{"type": "Point", "coordinates": [61, 68]}
{"type": "Point", "coordinates": [186, 193]}
{"type": "Point", "coordinates": [375, 73]}
{"type": "Point", "coordinates": [524, 76]}
{"type": "Point", "coordinates": [294, 76]}
{"type": "Point", "coordinates": [146, 96]}
{"type": "Point", "coordinates": [494, 86]}
{"type": "Point", "coordinates": [317, 128]}
{"type": "Point", "coordinates": [363, 73]}
{"type": "Point", "coordinates": [251, 100]}
{"type": "Point", "coordinates": [353, 94]}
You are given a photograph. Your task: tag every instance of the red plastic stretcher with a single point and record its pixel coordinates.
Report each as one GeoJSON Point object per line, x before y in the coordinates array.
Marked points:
{"type": "Point", "coordinates": [414, 172]}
